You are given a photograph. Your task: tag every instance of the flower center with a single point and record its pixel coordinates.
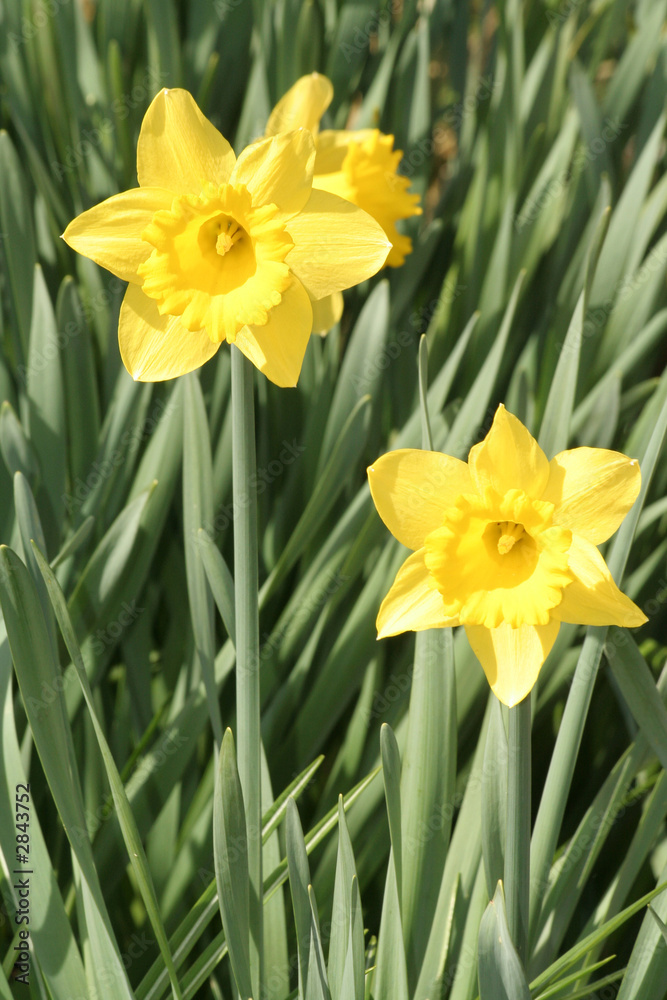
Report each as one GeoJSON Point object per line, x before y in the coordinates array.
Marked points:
{"type": "Point", "coordinates": [510, 533]}
{"type": "Point", "coordinates": [218, 262]}
{"type": "Point", "coordinates": [499, 559]}
{"type": "Point", "coordinates": [225, 231]}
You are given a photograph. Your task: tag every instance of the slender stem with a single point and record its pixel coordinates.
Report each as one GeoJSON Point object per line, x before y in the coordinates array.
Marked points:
{"type": "Point", "coordinates": [244, 467]}
{"type": "Point", "coordinates": [517, 847]}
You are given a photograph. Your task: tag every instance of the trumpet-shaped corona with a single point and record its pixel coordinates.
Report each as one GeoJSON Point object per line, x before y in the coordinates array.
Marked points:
{"type": "Point", "coordinates": [219, 249]}
{"type": "Point", "coordinates": [505, 545]}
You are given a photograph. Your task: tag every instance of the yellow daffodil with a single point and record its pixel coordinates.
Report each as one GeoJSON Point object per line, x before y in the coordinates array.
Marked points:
{"type": "Point", "coordinates": [506, 545]}
{"type": "Point", "coordinates": [217, 248]}
{"type": "Point", "coordinates": [359, 166]}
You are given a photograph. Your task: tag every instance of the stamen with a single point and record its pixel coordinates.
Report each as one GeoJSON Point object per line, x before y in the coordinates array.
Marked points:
{"type": "Point", "coordinates": [510, 533]}
{"type": "Point", "coordinates": [229, 237]}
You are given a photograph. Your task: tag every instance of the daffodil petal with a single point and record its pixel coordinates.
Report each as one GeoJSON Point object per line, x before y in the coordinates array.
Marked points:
{"type": "Point", "coordinates": [332, 147]}
{"type": "Point", "coordinates": [508, 458]}
{"type": "Point", "coordinates": [278, 347]}
{"type": "Point", "coordinates": [326, 312]}
{"type": "Point", "coordinates": [512, 657]}
{"type": "Point", "coordinates": [278, 171]}
{"type": "Point", "coordinates": [412, 603]}
{"type": "Point", "coordinates": [336, 245]}
{"type": "Point", "coordinates": [593, 598]}
{"type": "Point", "coordinates": [302, 106]}
{"type": "Point", "coordinates": [592, 490]}
{"type": "Point", "coordinates": [412, 489]}
{"type": "Point", "coordinates": [155, 347]}
{"type": "Point", "coordinates": [110, 233]}
{"type": "Point", "coordinates": [179, 148]}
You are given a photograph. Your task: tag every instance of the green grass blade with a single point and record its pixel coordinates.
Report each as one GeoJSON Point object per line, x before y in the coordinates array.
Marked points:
{"type": "Point", "coordinates": [231, 864]}
{"type": "Point", "coordinates": [126, 820]}
{"type": "Point", "coordinates": [501, 976]}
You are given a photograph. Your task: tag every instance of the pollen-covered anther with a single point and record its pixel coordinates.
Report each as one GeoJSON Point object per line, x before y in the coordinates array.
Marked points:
{"type": "Point", "coordinates": [510, 533]}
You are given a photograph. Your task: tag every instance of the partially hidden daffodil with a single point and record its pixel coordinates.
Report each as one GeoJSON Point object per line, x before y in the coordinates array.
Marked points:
{"type": "Point", "coordinates": [218, 249]}
{"type": "Point", "coordinates": [505, 545]}
{"type": "Point", "coordinates": [360, 166]}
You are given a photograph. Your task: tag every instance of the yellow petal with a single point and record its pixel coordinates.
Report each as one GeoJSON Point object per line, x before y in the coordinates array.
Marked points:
{"type": "Point", "coordinates": [509, 458]}
{"type": "Point", "coordinates": [278, 347]}
{"type": "Point", "coordinates": [512, 657]}
{"type": "Point", "coordinates": [336, 245]}
{"type": "Point", "coordinates": [278, 171]}
{"type": "Point", "coordinates": [326, 312]}
{"type": "Point", "coordinates": [179, 148]}
{"type": "Point", "coordinates": [302, 106]}
{"type": "Point", "coordinates": [592, 490]}
{"type": "Point", "coordinates": [155, 347]}
{"type": "Point", "coordinates": [333, 146]}
{"type": "Point", "coordinates": [593, 598]}
{"type": "Point", "coordinates": [412, 603]}
{"type": "Point", "coordinates": [110, 233]}
{"type": "Point", "coordinates": [412, 489]}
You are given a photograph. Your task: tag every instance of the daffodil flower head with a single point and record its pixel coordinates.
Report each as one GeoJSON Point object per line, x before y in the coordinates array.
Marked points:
{"type": "Point", "coordinates": [359, 166]}
{"type": "Point", "coordinates": [219, 249]}
{"type": "Point", "coordinates": [505, 545]}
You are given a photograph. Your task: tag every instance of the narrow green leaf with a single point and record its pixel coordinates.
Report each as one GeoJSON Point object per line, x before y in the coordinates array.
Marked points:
{"type": "Point", "coordinates": [46, 406]}
{"type": "Point", "coordinates": [316, 986]}
{"type": "Point", "coordinates": [17, 451]}
{"type": "Point", "coordinates": [391, 977]}
{"type": "Point", "coordinates": [428, 785]}
{"type": "Point", "coordinates": [37, 671]}
{"type": "Point", "coordinates": [587, 943]}
{"type": "Point", "coordinates": [501, 976]}
{"type": "Point", "coordinates": [230, 849]}
{"type": "Point", "coordinates": [198, 511]}
{"type": "Point", "coordinates": [635, 680]}
{"type": "Point", "coordinates": [220, 581]}
{"type": "Point", "coordinates": [299, 880]}
{"type": "Point", "coordinates": [494, 799]}
{"type": "Point", "coordinates": [346, 948]}
{"type": "Point", "coordinates": [471, 414]}
{"type": "Point", "coordinates": [361, 371]}
{"type": "Point", "coordinates": [18, 244]}
{"type": "Point", "coordinates": [95, 588]}
{"type": "Point", "coordinates": [126, 820]}
{"type": "Point", "coordinates": [427, 437]}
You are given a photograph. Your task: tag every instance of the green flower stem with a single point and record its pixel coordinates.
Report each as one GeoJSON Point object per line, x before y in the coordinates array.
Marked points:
{"type": "Point", "coordinates": [517, 847]}
{"type": "Point", "coordinates": [244, 467]}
